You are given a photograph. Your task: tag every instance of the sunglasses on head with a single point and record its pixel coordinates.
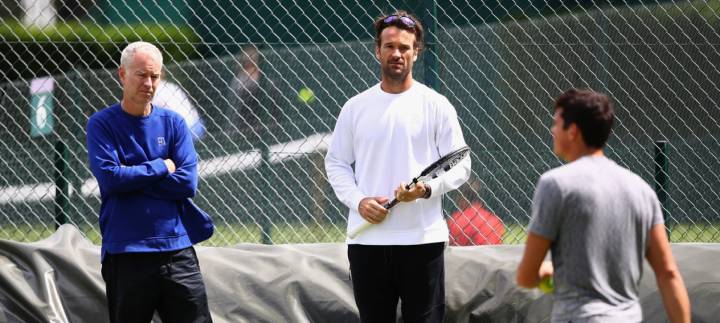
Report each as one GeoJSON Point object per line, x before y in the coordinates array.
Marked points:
{"type": "Point", "coordinates": [407, 21]}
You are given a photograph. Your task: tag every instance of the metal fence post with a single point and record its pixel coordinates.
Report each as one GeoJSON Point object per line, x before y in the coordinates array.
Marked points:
{"type": "Point", "coordinates": [265, 221]}
{"type": "Point", "coordinates": [662, 180]}
{"type": "Point", "coordinates": [62, 184]}
{"type": "Point", "coordinates": [431, 66]}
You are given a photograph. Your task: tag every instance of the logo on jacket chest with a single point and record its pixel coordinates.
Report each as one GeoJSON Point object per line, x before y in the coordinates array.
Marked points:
{"type": "Point", "coordinates": [161, 141]}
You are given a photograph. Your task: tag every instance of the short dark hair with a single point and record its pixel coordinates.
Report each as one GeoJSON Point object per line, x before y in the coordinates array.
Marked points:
{"type": "Point", "coordinates": [591, 111]}
{"type": "Point", "coordinates": [417, 28]}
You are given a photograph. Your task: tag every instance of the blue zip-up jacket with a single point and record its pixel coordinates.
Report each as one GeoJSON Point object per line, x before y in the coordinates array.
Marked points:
{"type": "Point", "coordinates": [143, 205]}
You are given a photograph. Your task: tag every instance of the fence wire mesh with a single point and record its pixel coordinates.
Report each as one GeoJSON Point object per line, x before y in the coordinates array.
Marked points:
{"type": "Point", "coordinates": [267, 80]}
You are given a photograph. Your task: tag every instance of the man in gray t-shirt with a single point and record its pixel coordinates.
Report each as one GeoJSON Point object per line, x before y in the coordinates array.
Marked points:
{"type": "Point", "coordinates": [600, 221]}
{"type": "Point", "coordinates": [605, 213]}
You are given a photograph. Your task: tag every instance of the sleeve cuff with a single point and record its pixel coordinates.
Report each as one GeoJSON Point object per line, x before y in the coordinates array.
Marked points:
{"type": "Point", "coordinates": [160, 167]}
{"type": "Point", "coordinates": [355, 199]}
{"type": "Point", "coordinates": [430, 186]}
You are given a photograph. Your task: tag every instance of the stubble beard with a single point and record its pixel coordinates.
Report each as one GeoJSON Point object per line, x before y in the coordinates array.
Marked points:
{"type": "Point", "coordinates": [394, 76]}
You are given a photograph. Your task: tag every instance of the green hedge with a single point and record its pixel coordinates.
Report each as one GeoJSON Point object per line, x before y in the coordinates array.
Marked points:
{"type": "Point", "coordinates": [31, 52]}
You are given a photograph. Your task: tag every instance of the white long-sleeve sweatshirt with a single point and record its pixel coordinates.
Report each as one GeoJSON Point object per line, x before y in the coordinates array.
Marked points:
{"type": "Point", "coordinates": [391, 138]}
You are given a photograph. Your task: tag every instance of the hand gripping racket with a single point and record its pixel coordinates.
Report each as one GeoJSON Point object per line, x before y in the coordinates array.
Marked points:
{"type": "Point", "coordinates": [442, 165]}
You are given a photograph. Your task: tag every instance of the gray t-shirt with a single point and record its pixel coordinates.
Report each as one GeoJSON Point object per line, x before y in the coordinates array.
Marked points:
{"type": "Point", "coordinates": [598, 216]}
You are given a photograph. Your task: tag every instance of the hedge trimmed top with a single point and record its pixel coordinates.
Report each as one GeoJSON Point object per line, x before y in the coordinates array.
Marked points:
{"type": "Point", "coordinates": [65, 47]}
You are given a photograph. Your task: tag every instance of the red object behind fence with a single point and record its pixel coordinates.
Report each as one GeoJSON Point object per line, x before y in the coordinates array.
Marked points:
{"type": "Point", "coordinates": [475, 225]}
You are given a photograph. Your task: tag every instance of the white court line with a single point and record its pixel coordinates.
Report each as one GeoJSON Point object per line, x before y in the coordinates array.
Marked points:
{"type": "Point", "coordinates": [291, 149]}
{"type": "Point", "coordinates": [34, 192]}
{"type": "Point", "coordinates": [207, 168]}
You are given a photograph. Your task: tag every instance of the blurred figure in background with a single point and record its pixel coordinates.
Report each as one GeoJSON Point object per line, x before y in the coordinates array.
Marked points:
{"type": "Point", "coordinates": [246, 113]}
{"type": "Point", "coordinates": [171, 96]}
{"type": "Point", "coordinates": [472, 224]}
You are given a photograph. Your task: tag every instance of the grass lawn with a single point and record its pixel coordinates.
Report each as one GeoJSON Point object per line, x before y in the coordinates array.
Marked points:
{"type": "Point", "coordinates": [283, 233]}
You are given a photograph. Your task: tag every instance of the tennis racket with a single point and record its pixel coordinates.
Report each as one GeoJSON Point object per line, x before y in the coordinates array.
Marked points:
{"type": "Point", "coordinates": [439, 167]}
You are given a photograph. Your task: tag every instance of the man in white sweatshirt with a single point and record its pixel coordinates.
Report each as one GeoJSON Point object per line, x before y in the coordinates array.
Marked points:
{"type": "Point", "coordinates": [390, 132]}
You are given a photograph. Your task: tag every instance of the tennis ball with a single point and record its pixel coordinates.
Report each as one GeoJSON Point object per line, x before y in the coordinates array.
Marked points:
{"type": "Point", "coordinates": [547, 285]}
{"type": "Point", "coordinates": [306, 95]}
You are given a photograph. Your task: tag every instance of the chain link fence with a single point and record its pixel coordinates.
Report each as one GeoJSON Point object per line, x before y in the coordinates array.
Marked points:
{"type": "Point", "coordinates": [268, 79]}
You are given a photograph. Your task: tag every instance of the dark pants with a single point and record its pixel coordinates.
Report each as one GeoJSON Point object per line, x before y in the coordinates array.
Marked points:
{"type": "Point", "coordinates": [138, 284]}
{"type": "Point", "coordinates": [382, 275]}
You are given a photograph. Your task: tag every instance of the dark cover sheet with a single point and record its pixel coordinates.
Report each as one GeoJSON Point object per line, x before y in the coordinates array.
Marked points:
{"type": "Point", "coordinates": [58, 280]}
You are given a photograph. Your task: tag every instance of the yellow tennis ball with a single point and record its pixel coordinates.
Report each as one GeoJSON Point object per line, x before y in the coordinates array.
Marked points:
{"type": "Point", "coordinates": [547, 285]}
{"type": "Point", "coordinates": [306, 95]}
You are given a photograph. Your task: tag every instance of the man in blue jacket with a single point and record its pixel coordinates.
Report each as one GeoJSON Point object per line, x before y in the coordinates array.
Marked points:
{"type": "Point", "coordinates": [146, 166]}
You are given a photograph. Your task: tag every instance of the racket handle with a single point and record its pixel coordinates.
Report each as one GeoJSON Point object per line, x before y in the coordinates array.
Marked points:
{"type": "Point", "coordinates": [364, 225]}
{"type": "Point", "coordinates": [390, 204]}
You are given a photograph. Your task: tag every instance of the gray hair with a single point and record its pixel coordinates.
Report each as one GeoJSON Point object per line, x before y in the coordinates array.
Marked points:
{"type": "Point", "coordinates": [139, 46]}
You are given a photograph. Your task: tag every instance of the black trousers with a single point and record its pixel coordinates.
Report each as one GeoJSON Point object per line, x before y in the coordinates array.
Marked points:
{"type": "Point", "coordinates": [414, 275]}
{"type": "Point", "coordinates": [138, 284]}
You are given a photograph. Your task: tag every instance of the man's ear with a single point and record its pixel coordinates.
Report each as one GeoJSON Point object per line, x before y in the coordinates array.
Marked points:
{"type": "Point", "coordinates": [575, 132]}
{"type": "Point", "coordinates": [377, 52]}
{"type": "Point", "coordinates": [417, 53]}
{"type": "Point", "coordinates": [121, 74]}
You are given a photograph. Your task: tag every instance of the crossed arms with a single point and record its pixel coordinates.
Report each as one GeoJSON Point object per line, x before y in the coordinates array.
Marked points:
{"type": "Point", "coordinates": [171, 178]}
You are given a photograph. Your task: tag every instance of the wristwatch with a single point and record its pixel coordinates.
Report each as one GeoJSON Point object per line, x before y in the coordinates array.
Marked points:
{"type": "Point", "coordinates": [428, 192]}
